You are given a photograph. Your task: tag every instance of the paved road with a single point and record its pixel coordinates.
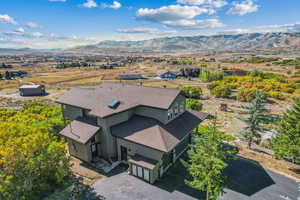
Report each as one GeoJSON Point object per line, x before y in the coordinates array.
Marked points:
{"type": "Point", "coordinates": [251, 182]}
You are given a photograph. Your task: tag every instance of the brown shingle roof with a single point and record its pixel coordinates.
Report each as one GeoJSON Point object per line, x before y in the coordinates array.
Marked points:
{"type": "Point", "coordinates": [129, 96]}
{"type": "Point", "coordinates": [152, 133]}
{"type": "Point", "coordinates": [79, 130]}
{"type": "Point", "coordinates": [143, 161]}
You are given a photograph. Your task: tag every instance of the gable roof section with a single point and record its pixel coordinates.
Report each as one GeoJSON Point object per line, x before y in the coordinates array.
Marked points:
{"type": "Point", "coordinates": [130, 96]}
{"type": "Point", "coordinates": [80, 131]}
{"type": "Point", "coordinates": [154, 134]}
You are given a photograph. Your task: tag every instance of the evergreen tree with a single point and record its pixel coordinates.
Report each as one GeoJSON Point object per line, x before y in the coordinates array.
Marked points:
{"type": "Point", "coordinates": [7, 75]}
{"type": "Point", "coordinates": [257, 116]}
{"type": "Point", "coordinates": [208, 157]}
{"type": "Point", "coordinates": [287, 143]}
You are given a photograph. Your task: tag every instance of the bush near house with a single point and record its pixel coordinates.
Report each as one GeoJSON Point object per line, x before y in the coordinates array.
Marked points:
{"type": "Point", "coordinates": [194, 104]}
{"type": "Point", "coordinates": [32, 158]}
{"type": "Point", "coordinates": [192, 92]}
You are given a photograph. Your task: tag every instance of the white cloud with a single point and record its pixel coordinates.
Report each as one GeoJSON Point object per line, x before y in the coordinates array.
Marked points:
{"type": "Point", "coordinates": [171, 13]}
{"type": "Point", "coordinates": [114, 5]}
{"type": "Point", "coordinates": [265, 29]}
{"type": "Point", "coordinates": [151, 31]}
{"type": "Point", "coordinates": [21, 30]}
{"type": "Point", "coordinates": [57, 0]}
{"type": "Point", "coordinates": [179, 16]}
{"type": "Point", "coordinates": [90, 4]}
{"type": "Point", "coordinates": [7, 19]}
{"type": "Point", "coordinates": [243, 8]}
{"type": "Point", "coordinates": [195, 24]}
{"type": "Point", "coordinates": [213, 3]}
{"type": "Point", "coordinates": [32, 25]}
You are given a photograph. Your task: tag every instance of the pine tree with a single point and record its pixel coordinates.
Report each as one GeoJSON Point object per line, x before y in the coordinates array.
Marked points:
{"type": "Point", "coordinates": [7, 75]}
{"type": "Point", "coordinates": [207, 161]}
{"type": "Point", "coordinates": [287, 143]}
{"type": "Point", "coordinates": [257, 116]}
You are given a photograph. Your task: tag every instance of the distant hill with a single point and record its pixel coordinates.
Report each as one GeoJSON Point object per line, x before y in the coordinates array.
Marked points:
{"type": "Point", "coordinates": [248, 41]}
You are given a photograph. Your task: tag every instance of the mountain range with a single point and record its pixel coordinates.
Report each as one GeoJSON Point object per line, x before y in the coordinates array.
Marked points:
{"type": "Point", "coordinates": [247, 41]}
{"type": "Point", "coordinates": [224, 42]}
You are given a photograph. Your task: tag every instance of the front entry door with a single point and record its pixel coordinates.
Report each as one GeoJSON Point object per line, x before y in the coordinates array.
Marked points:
{"type": "Point", "coordinates": [94, 150]}
{"type": "Point", "coordinates": [123, 153]}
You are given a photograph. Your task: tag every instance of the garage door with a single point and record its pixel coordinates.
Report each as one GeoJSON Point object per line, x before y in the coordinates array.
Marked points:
{"type": "Point", "coordinates": [141, 172]}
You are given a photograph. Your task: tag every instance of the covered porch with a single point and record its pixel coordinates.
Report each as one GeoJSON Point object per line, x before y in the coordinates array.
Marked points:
{"type": "Point", "coordinates": [83, 139]}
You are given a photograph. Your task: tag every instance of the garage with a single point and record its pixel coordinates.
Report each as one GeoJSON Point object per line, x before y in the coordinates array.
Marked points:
{"type": "Point", "coordinates": [142, 168]}
{"type": "Point", "coordinates": [140, 172]}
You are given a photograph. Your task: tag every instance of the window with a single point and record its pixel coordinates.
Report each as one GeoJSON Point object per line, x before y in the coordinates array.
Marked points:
{"type": "Point", "coordinates": [182, 107]}
{"type": "Point", "coordinates": [170, 114]}
{"type": "Point", "coordinates": [176, 109]}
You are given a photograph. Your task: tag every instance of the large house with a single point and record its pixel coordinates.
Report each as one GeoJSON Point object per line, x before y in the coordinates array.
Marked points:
{"type": "Point", "coordinates": [147, 127]}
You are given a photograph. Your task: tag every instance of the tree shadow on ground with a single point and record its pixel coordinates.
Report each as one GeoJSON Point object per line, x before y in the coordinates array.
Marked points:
{"type": "Point", "coordinates": [174, 180]}
{"type": "Point", "coordinates": [247, 176]}
{"type": "Point", "coordinates": [244, 176]}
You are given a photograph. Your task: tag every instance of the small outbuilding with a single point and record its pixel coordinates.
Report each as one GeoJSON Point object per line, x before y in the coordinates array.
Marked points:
{"type": "Point", "coordinates": [130, 76]}
{"type": "Point", "coordinates": [165, 74]}
{"type": "Point", "coordinates": [32, 90]}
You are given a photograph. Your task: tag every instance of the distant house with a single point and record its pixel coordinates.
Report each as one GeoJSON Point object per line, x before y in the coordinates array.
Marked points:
{"type": "Point", "coordinates": [166, 74]}
{"type": "Point", "coordinates": [32, 90]}
{"type": "Point", "coordinates": [130, 76]}
{"type": "Point", "coordinates": [146, 127]}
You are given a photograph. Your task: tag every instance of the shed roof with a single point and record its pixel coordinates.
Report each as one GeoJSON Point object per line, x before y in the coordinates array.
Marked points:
{"type": "Point", "coordinates": [80, 131]}
{"type": "Point", "coordinates": [29, 86]}
{"type": "Point", "coordinates": [130, 96]}
{"type": "Point", "coordinates": [154, 134]}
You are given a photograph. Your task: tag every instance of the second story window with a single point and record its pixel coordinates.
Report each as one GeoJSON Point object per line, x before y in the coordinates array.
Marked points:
{"type": "Point", "coordinates": [170, 114]}
{"type": "Point", "coordinates": [176, 109]}
{"type": "Point", "coordinates": [182, 107]}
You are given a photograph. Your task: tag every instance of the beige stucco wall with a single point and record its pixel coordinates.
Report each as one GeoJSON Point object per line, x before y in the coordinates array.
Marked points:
{"type": "Point", "coordinates": [156, 113]}
{"type": "Point", "coordinates": [78, 150]}
{"type": "Point", "coordinates": [134, 148]}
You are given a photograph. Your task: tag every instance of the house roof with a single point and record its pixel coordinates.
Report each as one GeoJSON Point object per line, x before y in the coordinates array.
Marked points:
{"type": "Point", "coordinates": [143, 161]}
{"type": "Point", "coordinates": [154, 134]}
{"type": "Point", "coordinates": [79, 130]}
{"type": "Point", "coordinates": [162, 72]}
{"type": "Point", "coordinates": [30, 86]}
{"type": "Point", "coordinates": [130, 96]}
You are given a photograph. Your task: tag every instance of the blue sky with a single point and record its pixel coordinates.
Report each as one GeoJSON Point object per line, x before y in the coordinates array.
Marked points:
{"type": "Point", "coordinates": [67, 23]}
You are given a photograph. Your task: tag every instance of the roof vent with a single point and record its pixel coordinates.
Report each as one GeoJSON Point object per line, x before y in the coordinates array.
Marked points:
{"type": "Point", "coordinates": [114, 104]}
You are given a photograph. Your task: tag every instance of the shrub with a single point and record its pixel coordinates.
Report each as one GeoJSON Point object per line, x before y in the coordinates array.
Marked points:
{"type": "Point", "coordinates": [246, 94]}
{"type": "Point", "coordinates": [209, 76]}
{"type": "Point", "coordinates": [276, 95]}
{"type": "Point", "coordinates": [221, 91]}
{"type": "Point", "coordinates": [194, 104]}
{"type": "Point", "coordinates": [192, 92]}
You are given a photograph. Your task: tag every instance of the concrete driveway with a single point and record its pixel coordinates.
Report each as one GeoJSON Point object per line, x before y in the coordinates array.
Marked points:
{"type": "Point", "coordinates": [249, 181]}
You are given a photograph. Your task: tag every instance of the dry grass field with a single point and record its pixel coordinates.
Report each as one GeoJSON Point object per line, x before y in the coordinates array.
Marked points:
{"type": "Point", "coordinates": [58, 81]}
